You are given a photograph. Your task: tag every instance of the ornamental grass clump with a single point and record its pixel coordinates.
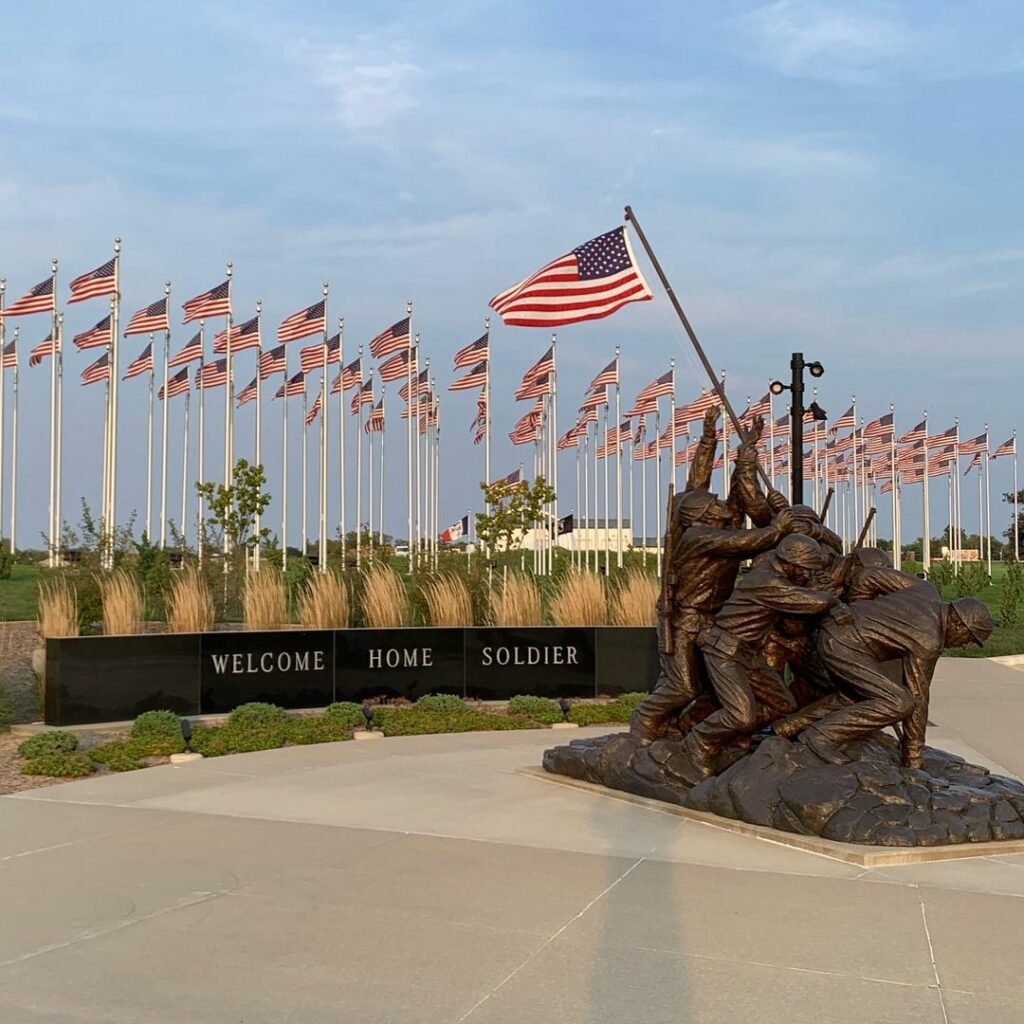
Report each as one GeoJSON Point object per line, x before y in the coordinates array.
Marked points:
{"type": "Point", "coordinates": [190, 607]}
{"type": "Point", "coordinates": [265, 603]}
{"type": "Point", "coordinates": [123, 603]}
{"type": "Point", "coordinates": [516, 602]}
{"type": "Point", "coordinates": [323, 602]}
{"type": "Point", "coordinates": [448, 601]}
{"type": "Point", "coordinates": [579, 601]}
{"type": "Point", "coordinates": [385, 602]}
{"type": "Point", "coordinates": [633, 600]}
{"type": "Point", "coordinates": [58, 608]}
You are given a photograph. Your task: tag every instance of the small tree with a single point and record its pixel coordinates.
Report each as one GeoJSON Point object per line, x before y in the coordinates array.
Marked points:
{"type": "Point", "coordinates": [236, 507]}
{"type": "Point", "coordinates": [514, 509]}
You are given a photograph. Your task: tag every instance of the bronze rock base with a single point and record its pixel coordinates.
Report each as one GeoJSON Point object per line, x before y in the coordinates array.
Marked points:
{"type": "Point", "coordinates": [872, 800]}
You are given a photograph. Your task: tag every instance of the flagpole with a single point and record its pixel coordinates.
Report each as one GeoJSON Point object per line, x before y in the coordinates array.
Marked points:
{"type": "Point", "coordinates": [258, 432]}
{"type": "Point", "coordinates": [607, 460]}
{"type": "Point", "coordinates": [957, 508]}
{"type": "Point", "coordinates": [657, 483]}
{"type": "Point", "coordinates": [856, 479]}
{"type": "Point", "coordinates": [60, 427]}
{"type": "Point", "coordinates": [284, 468]}
{"type": "Point", "coordinates": [643, 484]}
{"type": "Point", "coordinates": [629, 462]}
{"type": "Point", "coordinates": [487, 416]}
{"type": "Point", "coordinates": [380, 502]}
{"type": "Point", "coordinates": [51, 561]}
{"type": "Point", "coordinates": [408, 468]}
{"type": "Point", "coordinates": [105, 482]}
{"type": "Point", "coordinates": [597, 504]}
{"type": "Point", "coordinates": [115, 324]}
{"type": "Point", "coordinates": [894, 480]}
{"type": "Point", "coordinates": [13, 451]}
{"type": "Point", "coordinates": [184, 462]}
{"type": "Point", "coordinates": [341, 433]}
{"type": "Point", "coordinates": [419, 445]}
{"type": "Point", "coordinates": [3, 341]}
{"type": "Point", "coordinates": [926, 539]}
{"type": "Point", "coordinates": [163, 439]}
{"type": "Point", "coordinates": [988, 506]}
{"type": "Point", "coordinates": [771, 434]}
{"type": "Point", "coordinates": [359, 464]}
{"type": "Point", "coordinates": [201, 511]}
{"type": "Point", "coordinates": [149, 447]}
{"type": "Point", "coordinates": [584, 559]}
{"type": "Point", "coordinates": [553, 447]}
{"type": "Point", "coordinates": [575, 546]}
{"type": "Point", "coordinates": [322, 548]}
{"type": "Point", "coordinates": [369, 482]}
{"type": "Point", "coordinates": [305, 459]}
{"type": "Point", "coordinates": [618, 457]}
{"type": "Point", "coordinates": [1016, 501]}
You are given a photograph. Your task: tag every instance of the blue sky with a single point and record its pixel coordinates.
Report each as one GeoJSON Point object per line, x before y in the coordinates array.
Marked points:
{"type": "Point", "coordinates": [840, 178]}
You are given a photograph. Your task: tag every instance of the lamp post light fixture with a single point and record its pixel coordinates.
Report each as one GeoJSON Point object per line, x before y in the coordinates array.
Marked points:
{"type": "Point", "coordinates": [368, 715]}
{"type": "Point", "coordinates": [796, 416]}
{"type": "Point", "coordinates": [186, 734]}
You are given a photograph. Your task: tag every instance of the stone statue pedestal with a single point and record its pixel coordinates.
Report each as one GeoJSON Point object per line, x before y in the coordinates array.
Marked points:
{"type": "Point", "coordinates": [870, 800]}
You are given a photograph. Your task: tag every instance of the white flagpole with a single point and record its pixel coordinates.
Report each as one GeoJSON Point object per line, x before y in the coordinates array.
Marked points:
{"type": "Point", "coordinates": [323, 446]}
{"type": "Point", "coordinates": [409, 436]}
{"type": "Point", "coordinates": [149, 446]}
{"type": "Point", "coordinates": [163, 436]}
{"type": "Point", "coordinates": [437, 475]}
{"type": "Point", "coordinates": [1016, 516]}
{"type": "Point", "coordinates": [3, 341]}
{"type": "Point", "coordinates": [115, 325]}
{"type": "Point", "coordinates": [855, 523]}
{"type": "Point", "coordinates": [13, 454]}
{"type": "Point", "coordinates": [643, 484]}
{"type": "Point", "coordinates": [988, 506]}
{"type": "Point", "coordinates": [305, 431]}
{"type": "Point", "coordinates": [771, 435]}
{"type": "Point", "coordinates": [584, 559]}
{"type": "Point", "coordinates": [657, 482]}
{"type": "Point", "coordinates": [341, 434]}
{"type": "Point", "coordinates": [926, 539]}
{"type": "Point", "coordinates": [359, 464]}
{"type": "Point", "coordinates": [284, 468]}
{"type": "Point", "coordinates": [487, 415]}
{"type": "Point", "coordinates": [629, 463]}
{"type": "Point", "coordinates": [50, 539]}
{"type": "Point", "coordinates": [672, 413]}
{"type": "Point", "coordinates": [576, 510]}
{"type": "Point", "coordinates": [419, 446]}
{"type": "Point", "coordinates": [607, 504]}
{"type": "Point", "coordinates": [201, 511]}
{"type": "Point", "coordinates": [894, 479]}
{"type": "Point", "coordinates": [369, 481]}
{"type": "Point", "coordinates": [553, 448]}
{"type": "Point", "coordinates": [817, 474]}
{"type": "Point", "coordinates": [597, 504]}
{"type": "Point", "coordinates": [60, 424]}
{"type": "Point", "coordinates": [380, 486]}
{"type": "Point", "coordinates": [957, 508]}
{"type": "Point", "coordinates": [618, 458]}
{"type": "Point", "coordinates": [184, 462]}
{"type": "Point", "coordinates": [259, 424]}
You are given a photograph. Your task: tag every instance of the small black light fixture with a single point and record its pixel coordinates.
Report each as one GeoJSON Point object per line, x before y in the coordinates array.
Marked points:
{"type": "Point", "coordinates": [815, 369]}
{"type": "Point", "coordinates": [368, 715]}
{"type": "Point", "coordinates": [564, 706]}
{"type": "Point", "coordinates": [186, 734]}
{"type": "Point", "coordinates": [776, 387]}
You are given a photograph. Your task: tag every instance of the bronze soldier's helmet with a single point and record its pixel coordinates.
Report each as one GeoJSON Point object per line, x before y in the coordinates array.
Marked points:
{"type": "Point", "coordinates": [871, 558]}
{"type": "Point", "coordinates": [691, 506]}
{"type": "Point", "coordinates": [974, 614]}
{"type": "Point", "coordinates": [806, 512]}
{"type": "Point", "coordinates": [799, 549]}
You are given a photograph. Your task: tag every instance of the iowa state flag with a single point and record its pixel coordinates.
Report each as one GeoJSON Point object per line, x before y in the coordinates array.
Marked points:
{"type": "Point", "coordinates": [456, 531]}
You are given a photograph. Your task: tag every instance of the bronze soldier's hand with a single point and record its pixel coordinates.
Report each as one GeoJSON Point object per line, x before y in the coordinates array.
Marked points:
{"type": "Point", "coordinates": [755, 430]}
{"type": "Point", "coordinates": [711, 422]}
{"type": "Point", "coordinates": [786, 521]}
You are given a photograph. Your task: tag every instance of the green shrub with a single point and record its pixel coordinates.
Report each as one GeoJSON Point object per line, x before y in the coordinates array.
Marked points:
{"type": "Point", "coordinates": [941, 573]}
{"type": "Point", "coordinates": [164, 724]}
{"type": "Point", "coordinates": [911, 567]}
{"type": "Point", "coordinates": [631, 701]}
{"type": "Point", "coordinates": [5, 711]}
{"type": "Point", "coordinates": [51, 742]}
{"type": "Point", "coordinates": [257, 714]}
{"type": "Point", "coordinates": [6, 565]}
{"type": "Point", "coordinates": [1012, 596]}
{"type": "Point", "coordinates": [416, 722]}
{"type": "Point", "coordinates": [538, 709]}
{"type": "Point", "coordinates": [599, 714]}
{"type": "Point", "coordinates": [123, 756]}
{"type": "Point", "coordinates": [442, 703]}
{"type": "Point", "coordinates": [346, 713]}
{"type": "Point", "coordinates": [59, 766]}
{"type": "Point", "coordinates": [211, 741]}
{"type": "Point", "coordinates": [318, 729]}
{"type": "Point", "coordinates": [971, 579]}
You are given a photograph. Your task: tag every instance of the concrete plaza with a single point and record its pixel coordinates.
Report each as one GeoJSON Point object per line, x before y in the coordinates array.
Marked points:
{"type": "Point", "coordinates": [425, 880]}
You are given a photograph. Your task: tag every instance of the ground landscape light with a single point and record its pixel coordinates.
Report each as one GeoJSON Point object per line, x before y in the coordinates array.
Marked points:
{"type": "Point", "coordinates": [564, 705]}
{"type": "Point", "coordinates": [186, 734]}
{"type": "Point", "coordinates": [368, 715]}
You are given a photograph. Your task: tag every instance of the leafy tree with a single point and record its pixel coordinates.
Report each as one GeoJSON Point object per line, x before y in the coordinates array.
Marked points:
{"type": "Point", "coordinates": [1009, 551]}
{"type": "Point", "coordinates": [514, 509]}
{"type": "Point", "coordinates": [234, 508]}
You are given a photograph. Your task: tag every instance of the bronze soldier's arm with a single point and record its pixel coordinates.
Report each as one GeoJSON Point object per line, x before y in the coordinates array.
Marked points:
{"type": "Point", "coordinates": [917, 677]}
{"type": "Point", "coordinates": [699, 477]}
{"type": "Point", "coordinates": [713, 542]}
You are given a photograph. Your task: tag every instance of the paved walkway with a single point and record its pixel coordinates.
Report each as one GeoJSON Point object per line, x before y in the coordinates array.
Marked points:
{"type": "Point", "coordinates": [424, 880]}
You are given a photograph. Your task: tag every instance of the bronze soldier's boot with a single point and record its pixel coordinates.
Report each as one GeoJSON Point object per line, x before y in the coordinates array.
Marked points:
{"type": "Point", "coordinates": [646, 727]}
{"type": "Point", "coordinates": [701, 755]}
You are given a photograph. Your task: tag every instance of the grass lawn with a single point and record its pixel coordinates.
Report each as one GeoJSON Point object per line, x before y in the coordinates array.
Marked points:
{"type": "Point", "coordinates": [18, 594]}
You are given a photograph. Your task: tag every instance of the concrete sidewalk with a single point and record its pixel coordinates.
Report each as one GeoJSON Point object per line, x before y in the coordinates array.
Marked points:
{"type": "Point", "coordinates": [423, 879]}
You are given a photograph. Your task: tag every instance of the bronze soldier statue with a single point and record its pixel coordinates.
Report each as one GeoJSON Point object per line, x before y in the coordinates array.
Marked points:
{"type": "Point", "coordinates": [748, 687]}
{"type": "Point", "coordinates": [913, 625]}
{"type": "Point", "coordinates": [707, 545]}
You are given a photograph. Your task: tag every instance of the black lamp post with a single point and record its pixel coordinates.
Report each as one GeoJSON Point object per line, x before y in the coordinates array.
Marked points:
{"type": "Point", "coordinates": [796, 413]}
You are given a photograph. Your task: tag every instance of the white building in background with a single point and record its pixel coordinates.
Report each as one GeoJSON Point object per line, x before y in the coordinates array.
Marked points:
{"type": "Point", "coordinates": [586, 536]}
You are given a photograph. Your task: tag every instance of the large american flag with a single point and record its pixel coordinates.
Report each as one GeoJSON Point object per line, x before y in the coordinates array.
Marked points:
{"type": "Point", "coordinates": [193, 350]}
{"type": "Point", "coordinates": [243, 336]}
{"type": "Point", "coordinates": [515, 477]}
{"type": "Point", "coordinates": [215, 302]}
{"type": "Point", "coordinates": [140, 365]}
{"type": "Point", "coordinates": [918, 433]}
{"type": "Point", "coordinates": [100, 370]}
{"type": "Point", "coordinates": [541, 385]}
{"type": "Point", "coordinates": [153, 318]}
{"type": "Point", "coordinates": [348, 377]}
{"type": "Point", "coordinates": [212, 375]}
{"type": "Point", "coordinates": [36, 300]}
{"type": "Point", "coordinates": [608, 376]}
{"type": "Point", "coordinates": [642, 409]}
{"type": "Point", "coordinates": [312, 356]}
{"type": "Point", "coordinates": [101, 281]}
{"type": "Point", "coordinates": [882, 427]}
{"type": "Point", "coordinates": [420, 385]}
{"type": "Point", "coordinates": [470, 354]}
{"type": "Point", "coordinates": [96, 337]}
{"type": "Point", "coordinates": [476, 378]}
{"type": "Point", "coordinates": [177, 385]}
{"type": "Point", "coordinates": [394, 339]}
{"type": "Point", "coordinates": [845, 422]}
{"type": "Point", "coordinates": [10, 356]}
{"type": "Point", "coordinates": [663, 385]}
{"type": "Point", "coordinates": [525, 430]}
{"type": "Point", "coordinates": [45, 348]}
{"type": "Point", "coordinates": [762, 407]}
{"type": "Point", "coordinates": [364, 396]}
{"type": "Point", "coordinates": [590, 282]}
{"type": "Point", "coordinates": [248, 393]}
{"type": "Point", "coordinates": [595, 400]}
{"type": "Point", "coordinates": [375, 422]}
{"type": "Point", "coordinates": [398, 366]}
{"type": "Point", "coordinates": [311, 320]}
{"type": "Point", "coordinates": [545, 364]}
{"type": "Point", "coordinates": [296, 385]}
{"type": "Point", "coordinates": [947, 435]}
{"type": "Point", "coordinates": [311, 414]}
{"type": "Point", "coordinates": [272, 361]}
{"type": "Point", "coordinates": [975, 446]}
{"type": "Point", "coordinates": [1006, 448]}
{"type": "Point", "coordinates": [695, 409]}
